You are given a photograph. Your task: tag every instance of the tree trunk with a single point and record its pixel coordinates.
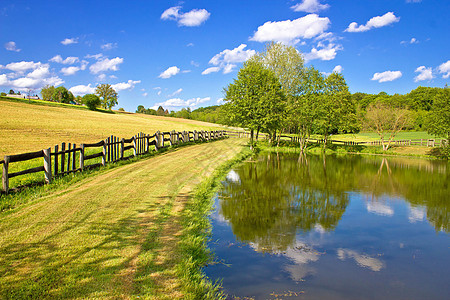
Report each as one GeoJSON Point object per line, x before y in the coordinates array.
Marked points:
{"type": "Point", "coordinates": [251, 139]}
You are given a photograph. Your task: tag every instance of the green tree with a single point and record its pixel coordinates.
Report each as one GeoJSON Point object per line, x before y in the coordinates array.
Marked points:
{"type": "Point", "coordinates": [47, 92]}
{"type": "Point", "coordinates": [92, 101]}
{"type": "Point", "coordinates": [255, 99]}
{"type": "Point", "coordinates": [386, 120]}
{"type": "Point", "coordinates": [160, 111]}
{"type": "Point", "coordinates": [438, 122]}
{"type": "Point", "coordinates": [107, 94]}
{"type": "Point", "coordinates": [140, 109]}
{"type": "Point", "coordinates": [62, 95]}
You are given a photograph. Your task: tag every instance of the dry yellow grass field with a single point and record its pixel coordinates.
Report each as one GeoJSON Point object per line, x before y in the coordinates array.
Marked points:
{"type": "Point", "coordinates": [25, 127]}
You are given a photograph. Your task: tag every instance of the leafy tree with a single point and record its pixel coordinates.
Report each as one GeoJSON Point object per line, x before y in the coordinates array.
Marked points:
{"type": "Point", "coordinates": [62, 95]}
{"type": "Point", "coordinates": [140, 109]}
{"type": "Point", "coordinates": [255, 99]}
{"type": "Point", "coordinates": [386, 120]}
{"type": "Point", "coordinates": [47, 92]}
{"type": "Point", "coordinates": [92, 101]}
{"type": "Point", "coordinates": [439, 118]}
{"type": "Point", "coordinates": [2, 94]}
{"type": "Point", "coordinates": [11, 92]}
{"type": "Point", "coordinates": [121, 109]}
{"type": "Point", "coordinates": [160, 111]}
{"type": "Point", "coordinates": [107, 94]}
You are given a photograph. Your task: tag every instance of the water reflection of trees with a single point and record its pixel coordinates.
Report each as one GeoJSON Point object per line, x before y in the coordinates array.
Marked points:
{"type": "Point", "coordinates": [270, 203]}
{"type": "Point", "coordinates": [278, 196]}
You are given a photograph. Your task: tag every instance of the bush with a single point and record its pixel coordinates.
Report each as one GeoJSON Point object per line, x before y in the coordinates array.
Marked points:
{"type": "Point", "coordinates": [91, 101]}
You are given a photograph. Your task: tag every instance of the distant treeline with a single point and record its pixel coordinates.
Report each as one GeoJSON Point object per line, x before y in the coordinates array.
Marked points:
{"type": "Point", "coordinates": [209, 114]}
{"type": "Point", "coordinates": [419, 102]}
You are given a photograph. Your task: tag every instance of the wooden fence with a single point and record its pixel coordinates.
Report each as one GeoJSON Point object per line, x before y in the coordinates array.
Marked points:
{"type": "Point", "coordinates": [295, 139]}
{"type": "Point", "coordinates": [69, 158]}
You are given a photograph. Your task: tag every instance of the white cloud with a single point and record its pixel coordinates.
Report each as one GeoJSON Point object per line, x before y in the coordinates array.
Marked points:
{"type": "Point", "coordinates": [101, 77]}
{"type": "Point", "coordinates": [424, 74]}
{"type": "Point", "coordinates": [125, 85]}
{"type": "Point", "coordinates": [338, 69]}
{"type": "Point", "coordinates": [145, 94]}
{"type": "Point", "coordinates": [81, 90]}
{"type": "Point", "coordinates": [3, 80]}
{"type": "Point", "coordinates": [413, 1]}
{"type": "Point", "coordinates": [11, 46]}
{"type": "Point", "coordinates": [290, 32]}
{"type": "Point", "coordinates": [171, 71]}
{"type": "Point", "coordinates": [379, 208]}
{"type": "Point", "coordinates": [233, 176]}
{"type": "Point", "coordinates": [361, 260]}
{"type": "Point", "coordinates": [411, 41]}
{"type": "Point", "coordinates": [227, 58]}
{"type": "Point", "coordinates": [416, 213]}
{"type": "Point", "coordinates": [375, 22]}
{"type": "Point", "coordinates": [176, 103]}
{"type": "Point", "coordinates": [40, 72]}
{"type": "Point", "coordinates": [387, 76]}
{"type": "Point", "coordinates": [22, 66]}
{"type": "Point", "coordinates": [220, 101]}
{"type": "Point", "coordinates": [109, 46]}
{"type": "Point", "coordinates": [70, 70]}
{"type": "Point", "coordinates": [445, 69]}
{"type": "Point", "coordinates": [176, 92]}
{"type": "Point", "coordinates": [68, 61]}
{"type": "Point", "coordinates": [192, 18]}
{"type": "Point", "coordinates": [325, 53]}
{"type": "Point", "coordinates": [96, 56]}
{"type": "Point", "coordinates": [309, 6]}
{"type": "Point", "coordinates": [69, 41]}
{"type": "Point", "coordinates": [236, 55]}
{"type": "Point", "coordinates": [211, 70]}
{"type": "Point", "coordinates": [105, 64]}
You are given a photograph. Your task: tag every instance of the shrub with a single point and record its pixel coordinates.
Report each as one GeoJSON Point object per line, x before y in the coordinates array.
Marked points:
{"type": "Point", "coordinates": [91, 101]}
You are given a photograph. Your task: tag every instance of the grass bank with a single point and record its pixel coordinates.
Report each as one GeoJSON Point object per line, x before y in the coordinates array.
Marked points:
{"type": "Point", "coordinates": [114, 235]}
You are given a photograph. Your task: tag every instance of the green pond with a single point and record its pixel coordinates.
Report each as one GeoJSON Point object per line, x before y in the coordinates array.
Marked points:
{"type": "Point", "coordinates": [337, 227]}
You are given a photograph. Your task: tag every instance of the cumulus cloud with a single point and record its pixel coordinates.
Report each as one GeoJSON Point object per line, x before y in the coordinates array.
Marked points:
{"type": "Point", "coordinates": [69, 41]}
{"type": "Point", "coordinates": [105, 64]}
{"type": "Point", "coordinates": [290, 32]}
{"type": "Point", "coordinates": [11, 46]}
{"type": "Point", "coordinates": [361, 260]}
{"type": "Point", "coordinates": [70, 60]}
{"type": "Point", "coordinates": [338, 69]}
{"type": "Point", "coordinates": [379, 208]}
{"type": "Point", "coordinates": [424, 74]}
{"type": "Point", "coordinates": [324, 53]}
{"type": "Point", "coordinates": [375, 22]}
{"type": "Point", "coordinates": [445, 69]}
{"type": "Point", "coordinates": [22, 66]}
{"type": "Point", "coordinates": [177, 103]}
{"type": "Point", "coordinates": [171, 71]}
{"type": "Point", "coordinates": [192, 18]}
{"type": "Point", "coordinates": [109, 46]}
{"type": "Point", "coordinates": [387, 76]}
{"type": "Point", "coordinates": [145, 94]}
{"type": "Point", "coordinates": [70, 70]}
{"type": "Point", "coordinates": [38, 76]}
{"type": "Point", "coordinates": [309, 6]}
{"type": "Point", "coordinates": [130, 84]}
{"type": "Point", "coordinates": [81, 90]}
{"type": "Point", "coordinates": [227, 59]}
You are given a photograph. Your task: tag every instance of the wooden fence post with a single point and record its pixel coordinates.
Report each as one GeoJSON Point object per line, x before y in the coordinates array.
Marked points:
{"type": "Point", "coordinates": [68, 158]}
{"type": "Point", "coordinates": [5, 178]}
{"type": "Point", "coordinates": [122, 151]}
{"type": "Point", "coordinates": [81, 157]}
{"type": "Point", "coordinates": [74, 157]}
{"type": "Point", "coordinates": [48, 165]}
{"type": "Point", "coordinates": [134, 146]}
{"type": "Point", "coordinates": [56, 159]}
{"type": "Point", "coordinates": [105, 143]}
{"type": "Point", "coordinates": [63, 156]}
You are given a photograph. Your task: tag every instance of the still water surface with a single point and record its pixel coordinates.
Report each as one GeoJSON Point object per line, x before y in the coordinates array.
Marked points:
{"type": "Point", "coordinates": [340, 227]}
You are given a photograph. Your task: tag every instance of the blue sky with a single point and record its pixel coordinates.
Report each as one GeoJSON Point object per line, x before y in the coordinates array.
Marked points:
{"type": "Point", "coordinates": [183, 53]}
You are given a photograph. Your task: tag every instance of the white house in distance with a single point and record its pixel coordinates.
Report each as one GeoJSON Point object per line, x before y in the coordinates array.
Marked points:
{"type": "Point", "coordinates": [23, 96]}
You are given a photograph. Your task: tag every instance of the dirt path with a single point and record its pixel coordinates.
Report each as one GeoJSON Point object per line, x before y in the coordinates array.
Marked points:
{"type": "Point", "coordinates": [110, 236]}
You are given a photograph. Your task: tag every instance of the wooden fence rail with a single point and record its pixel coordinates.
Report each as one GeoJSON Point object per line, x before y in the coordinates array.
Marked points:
{"type": "Point", "coordinates": [68, 158]}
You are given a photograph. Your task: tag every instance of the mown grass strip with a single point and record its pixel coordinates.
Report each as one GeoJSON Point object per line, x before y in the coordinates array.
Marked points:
{"type": "Point", "coordinates": [114, 235]}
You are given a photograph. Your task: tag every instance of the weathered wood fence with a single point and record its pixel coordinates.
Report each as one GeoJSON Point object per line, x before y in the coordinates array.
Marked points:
{"type": "Point", "coordinates": [295, 139]}
{"type": "Point", "coordinates": [68, 158]}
